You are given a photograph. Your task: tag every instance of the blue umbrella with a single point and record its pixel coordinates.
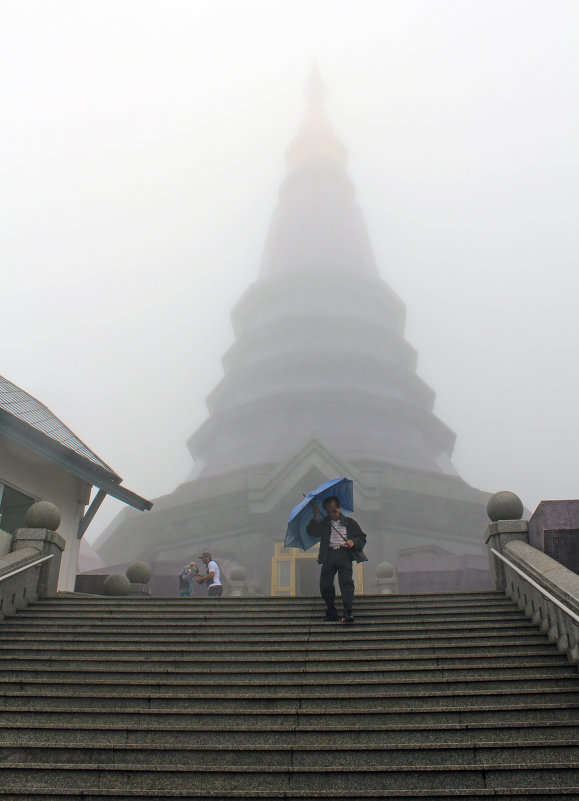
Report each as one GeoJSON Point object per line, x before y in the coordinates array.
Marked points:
{"type": "Point", "coordinates": [296, 535]}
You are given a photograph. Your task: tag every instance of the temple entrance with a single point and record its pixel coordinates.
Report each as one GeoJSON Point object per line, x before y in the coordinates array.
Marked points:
{"type": "Point", "coordinates": [307, 577]}
{"type": "Point", "coordinates": [295, 572]}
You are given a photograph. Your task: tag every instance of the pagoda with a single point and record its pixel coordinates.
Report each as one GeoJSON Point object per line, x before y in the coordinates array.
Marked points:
{"type": "Point", "coordinates": [319, 383]}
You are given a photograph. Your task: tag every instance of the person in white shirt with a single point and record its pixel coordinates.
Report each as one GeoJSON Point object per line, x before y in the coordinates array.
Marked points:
{"type": "Point", "coordinates": [212, 578]}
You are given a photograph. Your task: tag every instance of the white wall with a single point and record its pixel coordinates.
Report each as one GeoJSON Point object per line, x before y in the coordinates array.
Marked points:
{"type": "Point", "coordinates": [41, 478]}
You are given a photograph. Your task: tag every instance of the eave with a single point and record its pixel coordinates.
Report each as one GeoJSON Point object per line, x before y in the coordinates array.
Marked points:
{"type": "Point", "coordinates": [106, 480]}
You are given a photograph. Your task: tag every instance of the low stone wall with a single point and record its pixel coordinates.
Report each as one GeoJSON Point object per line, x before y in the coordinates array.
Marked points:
{"type": "Point", "coordinates": [21, 580]}
{"type": "Point", "coordinates": [558, 581]}
{"type": "Point", "coordinates": [20, 589]}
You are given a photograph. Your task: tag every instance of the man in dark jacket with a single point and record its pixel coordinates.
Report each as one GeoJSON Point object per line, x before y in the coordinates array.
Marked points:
{"type": "Point", "coordinates": [341, 543]}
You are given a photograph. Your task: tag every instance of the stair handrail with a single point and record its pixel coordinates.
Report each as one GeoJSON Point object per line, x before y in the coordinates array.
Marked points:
{"type": "Point", "coordinates": [537, 586]}
{"type": "Point", "coordinates": [26, 567]}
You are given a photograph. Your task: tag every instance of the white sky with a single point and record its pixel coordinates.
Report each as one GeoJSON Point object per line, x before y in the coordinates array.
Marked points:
{"type": "Point", "coordinates": [142, 147]}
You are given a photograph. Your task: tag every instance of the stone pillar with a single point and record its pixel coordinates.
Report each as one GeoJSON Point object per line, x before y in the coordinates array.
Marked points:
{"type": "Point", "coordinates": [237, 578]}
{"type": "Point", "coordinates": [505, 510]}
{"type": "Point", "coordinates": [116, 584]}
{"type": "Point", "coordinates": [47, 543]}
{"type": "Point", "coordinates": [385, 581]}
{"type": "Point", "coordinates": [43, 518]}
{"type": "Point", "coordinates": [139, 574]}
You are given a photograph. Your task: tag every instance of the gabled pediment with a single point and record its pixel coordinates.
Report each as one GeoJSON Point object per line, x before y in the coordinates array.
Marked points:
{"type": "Point", "coordinates": [425, 550]}
{"type": "Point", "coordinates": [313, 463]}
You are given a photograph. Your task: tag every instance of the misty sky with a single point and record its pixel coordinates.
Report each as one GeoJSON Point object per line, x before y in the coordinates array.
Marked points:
{"type": "Point", "coordinates": [142, 147]}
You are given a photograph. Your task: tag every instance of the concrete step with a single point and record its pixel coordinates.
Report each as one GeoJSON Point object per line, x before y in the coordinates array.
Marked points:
{"type": "Point", "coordinates": [282, 686]}
{"type": "Point", "coordinates": [320, 651]}
{"type": "Point", "coordinates": [346, 755]}
{"type": "Point", "coordinates": [427, 697]}
{"type": "Point", "coordinates": [512, 794]}
{"type": "Point", "coordinates": [296, 661]}
{"type": "Point", "coordinates": [37, 731]}
{"type": "Point", "coordinates": [272, 617]}
{"type": "Point", "coordinates": [424, 599]}
{"type": "Point", "coordinates": [251, 624]}
{"type": "Point", "coordinates": [279, 602]}
{"type": "Point", "coordinates": [504, 794]}
{"type": "Point", "coordinates": [282, 700]}
{"type": "Point", "coordinates": [215, 628]}
{"type": "Point", "coordinates": [328, 632]}
{"type": "Point", "coordinates": [537, 710]}
{"type": "Point", "coordinates": [246, 661]}
{"type": "Point", "coordinates": [250, 778]}
{"type": "Point", "coordinates": [190, 671]}
{"type": "Point", "coordinates": [189, 608]}
{"type": "Point", "coordinates": [192, 612]}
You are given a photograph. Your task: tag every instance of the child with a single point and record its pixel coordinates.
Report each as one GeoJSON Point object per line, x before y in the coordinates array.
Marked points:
{"type": "Point", "coordinates": [186, 577]}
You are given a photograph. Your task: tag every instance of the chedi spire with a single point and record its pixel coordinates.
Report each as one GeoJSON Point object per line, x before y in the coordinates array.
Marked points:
{"type": "Point", "coordinates": [316, 139]}
{"type": "Point", "coordinates": [320, 382]}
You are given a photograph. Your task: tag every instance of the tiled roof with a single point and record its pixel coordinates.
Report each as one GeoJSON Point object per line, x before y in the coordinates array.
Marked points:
{"type": "Point", "coordinates": [23, 406]}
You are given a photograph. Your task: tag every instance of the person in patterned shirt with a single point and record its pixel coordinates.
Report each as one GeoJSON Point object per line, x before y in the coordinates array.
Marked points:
{"type": "Point", "coordinates": [341, 543]}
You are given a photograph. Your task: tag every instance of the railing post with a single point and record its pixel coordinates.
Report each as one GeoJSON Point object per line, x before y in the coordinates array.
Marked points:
{"type": "Point", "coordinates": [43, 518]}
{"type": "Point", "coordinates": [237, 580]}
{"type": "Point", "coordinates": [504, 510]}
{"type": "Point", "coordinates": [385, 581]}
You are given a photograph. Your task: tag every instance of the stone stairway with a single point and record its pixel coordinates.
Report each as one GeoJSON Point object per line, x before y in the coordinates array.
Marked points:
{"type": "Point", "coordinates": [424, 697]}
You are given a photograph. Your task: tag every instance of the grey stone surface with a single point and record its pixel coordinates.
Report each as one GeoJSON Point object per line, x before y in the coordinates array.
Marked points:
{"type": "Point", "coordinates": [385, 586]}
{"type": "Point", "coordinates": [497, 536]}
{"type": "Point", "coordinates": [140, 590]}
{"type": "Point", "coordinates": [144, 696]}
{"type": "Point", "coordinates": [48, 543]}
{"type": "Point", "coordinates": [43, 514]}
{"type": "Point", "coordinates": [508, 527]}
{"type": "Point", "coordinates": [139, 573]}
{"type": "Point", "coordinates": [504, 505]}
{"type": "Point", "coordinates": [501, 794]}
{"type": "Point", "coordinates": [384, 570]}
{"type": "Point", "coordinates": [16, 559]}
{"type": "Point", "coordinates": [18, 590]}
{"type": "Point", "coordinates": [238, 573]}
{"type": "Point", "coordinates": [5, 543]}
{"type": "Point", "coordinates": [558, 581]}
{"type": "Point", "coordinates": [117, 584]}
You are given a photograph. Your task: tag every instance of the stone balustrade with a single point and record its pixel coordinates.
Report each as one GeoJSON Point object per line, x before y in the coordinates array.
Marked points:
{"type": "Point", "coordinates": [558, 581]}
{"type": "Point", "coordinates": [545, 590]}
{"type": "Point", "coordinates": [30, 569]}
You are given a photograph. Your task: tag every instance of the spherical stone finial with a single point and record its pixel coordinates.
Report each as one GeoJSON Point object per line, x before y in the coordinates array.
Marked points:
{"type": "Point", "coordinates": [384, 570]}
{"type": "Point", "coordinates": [238, 573]}
{"type": "Point", "coordinates": [139, 573]}
{"type": "Point", "coordinates": [504, 505]}
{"type": "Point", "coordinates": [116, 584]}
{"type": "Point", "coordinates": [43, 514]}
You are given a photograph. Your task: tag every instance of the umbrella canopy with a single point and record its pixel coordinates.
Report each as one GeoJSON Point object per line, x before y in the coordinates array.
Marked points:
{"type": "Point", "coordinates": [296, 535]}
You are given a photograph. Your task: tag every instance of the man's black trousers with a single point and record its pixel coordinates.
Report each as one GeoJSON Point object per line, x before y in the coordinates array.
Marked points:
{"type": "Point", "coordinates": [339, 561]}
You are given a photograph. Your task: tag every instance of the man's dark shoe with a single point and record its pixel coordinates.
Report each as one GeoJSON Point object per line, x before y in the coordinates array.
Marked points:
{"type": "Point", "coordinates": [348, 619]}
{"type": "Point", "coordinates": [332, 616]}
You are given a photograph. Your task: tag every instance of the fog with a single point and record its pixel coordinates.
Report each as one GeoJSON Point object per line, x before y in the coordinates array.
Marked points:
{"type": "Point", "coordinates": [142, 150]}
